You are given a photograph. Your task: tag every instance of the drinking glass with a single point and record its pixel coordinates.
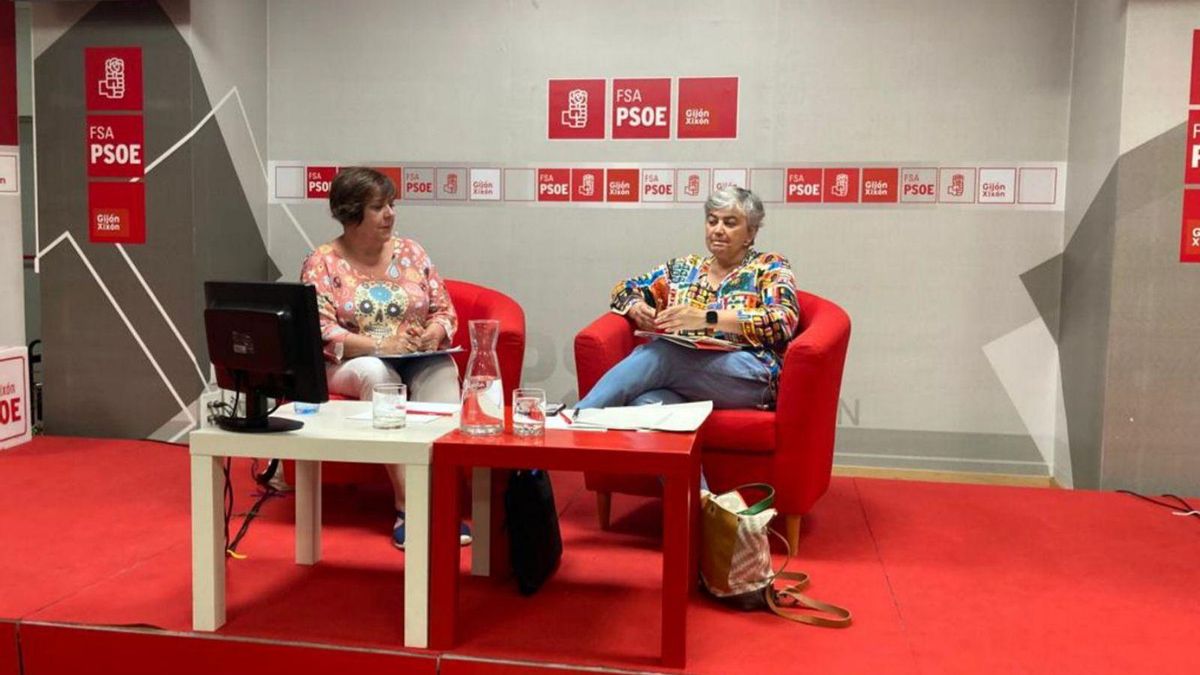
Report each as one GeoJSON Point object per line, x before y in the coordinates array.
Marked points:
{"type": "Point", "coordinates": [529, 412]}
{"type": "Point", "coordinates": [389, 406]}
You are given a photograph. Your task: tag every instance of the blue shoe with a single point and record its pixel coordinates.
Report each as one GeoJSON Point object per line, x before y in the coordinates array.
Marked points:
{"type": "Point", "coordinates": [398, 531]}
{"type": "Point", "coordinates": [464, 534]}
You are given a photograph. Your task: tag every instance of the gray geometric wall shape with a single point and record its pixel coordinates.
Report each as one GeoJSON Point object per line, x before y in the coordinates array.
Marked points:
{"type": "Point", "coordinates": [199, 226]}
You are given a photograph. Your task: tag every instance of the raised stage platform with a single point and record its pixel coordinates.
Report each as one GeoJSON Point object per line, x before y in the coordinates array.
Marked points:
{"type": "Point", "coordinates": [95, 577]}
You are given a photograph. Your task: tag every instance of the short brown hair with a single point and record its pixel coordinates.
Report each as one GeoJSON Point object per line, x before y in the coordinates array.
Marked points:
{"type": "Point", "coordinates": [354, 188]}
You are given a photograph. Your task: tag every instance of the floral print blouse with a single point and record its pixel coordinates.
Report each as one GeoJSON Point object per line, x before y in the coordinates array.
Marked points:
{"type": "Point", "coordinates": [410, 293]}
{"type": "Point", "coordinates": [762, 289]}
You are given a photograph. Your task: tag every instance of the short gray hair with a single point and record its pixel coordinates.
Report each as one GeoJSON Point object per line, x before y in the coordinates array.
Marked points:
{"type": "Point", "coordinates": [735, 197]}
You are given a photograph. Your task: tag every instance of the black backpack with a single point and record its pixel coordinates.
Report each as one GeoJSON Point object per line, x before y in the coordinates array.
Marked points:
{"type": "Point", "coordinates": [534, 541]}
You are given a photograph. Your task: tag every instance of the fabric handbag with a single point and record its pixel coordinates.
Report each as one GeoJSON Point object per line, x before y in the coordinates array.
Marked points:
{"type": "Point", "coordinates": [735, 562]}
{"type": "Point", "coordinates": [534, 540]}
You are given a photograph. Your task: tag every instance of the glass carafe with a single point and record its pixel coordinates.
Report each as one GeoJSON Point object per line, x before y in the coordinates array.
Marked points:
{"type": "Point", "coordinates": [482, 391]}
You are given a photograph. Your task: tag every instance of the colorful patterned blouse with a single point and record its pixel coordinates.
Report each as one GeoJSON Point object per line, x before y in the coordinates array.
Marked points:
{"type": "Point", "coordinates": [410, 293]}
{"type": "Point", "coordinates": [762, 290]}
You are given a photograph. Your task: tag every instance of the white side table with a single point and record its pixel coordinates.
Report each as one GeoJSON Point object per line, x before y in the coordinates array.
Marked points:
{"type": "Point", "coordinates": [327, 435]}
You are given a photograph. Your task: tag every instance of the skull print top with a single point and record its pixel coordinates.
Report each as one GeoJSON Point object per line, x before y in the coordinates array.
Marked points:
{"type": "Point", "coordinates": [409, 293]}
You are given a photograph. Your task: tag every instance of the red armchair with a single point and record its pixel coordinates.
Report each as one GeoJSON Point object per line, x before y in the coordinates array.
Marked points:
{"type": "Point", "coordinates": [471, 301]}
{"type": "Point", "coordinates": [791, 447]}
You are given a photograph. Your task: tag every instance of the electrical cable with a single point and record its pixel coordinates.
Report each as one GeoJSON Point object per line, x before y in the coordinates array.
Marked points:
{"type": "Point", "coordinates": [1187, 508]}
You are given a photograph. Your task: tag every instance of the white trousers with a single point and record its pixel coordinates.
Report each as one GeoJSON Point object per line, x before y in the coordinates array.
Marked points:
{"type": "Point", "coordinates": [432, 379]}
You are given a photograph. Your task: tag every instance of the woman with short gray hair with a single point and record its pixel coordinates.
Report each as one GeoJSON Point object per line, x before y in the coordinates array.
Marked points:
{"type": "Point", "coordinates": [735, 293]}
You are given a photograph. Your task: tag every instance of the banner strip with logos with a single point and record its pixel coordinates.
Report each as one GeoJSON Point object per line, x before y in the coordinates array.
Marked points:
{"type": "Point", "coordinates": [1033, 186]}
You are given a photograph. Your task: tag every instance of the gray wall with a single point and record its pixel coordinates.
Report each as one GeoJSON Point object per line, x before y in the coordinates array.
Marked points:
{"type": "Point", "coordinates": [1153, 375]}
{"type": "Point", "coordinates": [99, 380]}
{"type": "Point", "coordinates": [986, 339]}
{"type": "Point", "coordinates": [1096, 94]}
{"type": "Point", "coordinates": [928, 288]}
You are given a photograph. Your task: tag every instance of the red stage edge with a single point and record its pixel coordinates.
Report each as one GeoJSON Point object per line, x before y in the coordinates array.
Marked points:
{"type": "Point", "coordinates": [10, 651]}
{"type": "Point", "coordinates": [56, 649]}
{"type": "Point", "coordinates": [51, 649]}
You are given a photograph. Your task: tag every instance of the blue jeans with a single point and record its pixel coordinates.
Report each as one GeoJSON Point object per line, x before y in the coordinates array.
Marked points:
{"type": "Point", "coordinates": [664, 372]}
{"type": "Point", "coordinates": [661, 371]}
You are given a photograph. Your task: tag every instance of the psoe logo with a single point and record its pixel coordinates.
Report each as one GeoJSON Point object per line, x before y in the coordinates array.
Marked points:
{"type": "Point", "coordinates": [576, 114]}
{"type": "Point", "coordinates": [113, 84]}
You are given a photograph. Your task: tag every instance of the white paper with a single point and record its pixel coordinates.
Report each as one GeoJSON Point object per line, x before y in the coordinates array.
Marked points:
{"type": "Point", "coordinates": [673, 417]}
{"type": "Point", "coordinates": [561, 423]}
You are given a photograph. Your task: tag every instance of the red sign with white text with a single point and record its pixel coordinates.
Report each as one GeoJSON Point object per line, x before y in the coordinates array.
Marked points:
{"type": "Point", "coordinates": [623, 185]}
{"type": "Point", "coordinates": [1195, 98]}
{"type": "Point", "coordinates": [115, 146]}
{"type": "Point", "coordinates": [841, 185]}
{"type": "Point", "coordinates": [318, 179]}
{"type": "Point", "coordinates": [576, 109]}
{"type": "Point", "coordinates": [879, 185]}
{"type": "Point", "coordinates": [587, 185]}
{"type": "Point", "coordinates": [553, 185]}
{"type": "Point", "coordinates": [708, 107]}
{"type": "Point", "coordinates": [642, 108]}
{"type": "Point", "coordinates": [14, 389]}
{"type": "Point", "coordinates": [1189, 249]}
{"type": "Point", "coordinates": [393, 173]}
{"type": "Point", "coordinates": [112, 78]}
{"type": "Point", "coordinates": [8, 74]}
{"type": "Point", "coordinates": [117, 213]}
{"type": "Point", "coordinates": [803, 185]}
{"type": "Point", "coordinates": [1191, 175]}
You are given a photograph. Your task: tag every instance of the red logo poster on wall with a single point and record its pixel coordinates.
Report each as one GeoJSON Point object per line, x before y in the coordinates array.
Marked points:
{"type": "Point", "coordinates": [1195, 98]}
{"type": "Point", "coordinates": [113, 78]}
{"type": "Point", "coordinates": [553, 185]}
{"type": "Point", "coordinates": [642, 108]}
{"type": "Point", "coordinates": [8, 80]}
{"type": "Point", "coordinates": [576, 109]}
{"type": "Point", "coordinates": [708, 107]}
{"type": "Point", "coordinates": [623, 185]}
{"type": "Point", "coordinates": [393, 173]}
{"type": "Point", "coordinates": [1189, 250]}
{"type": "Point", "coordinates": [317, 180]}
{"type": "Point", "coordinates": [14, 399]}
{"type": "Point", "coordinates": [879, 185]}
{"type": "Point", "coordinates": [1191, 174]}
{"type": "Point", "coordinates": [587, 185]}
{"type": "Point", "coordinates": [117, 213]}
{"type": "Point", "coordinates": [803, 185]}
{"type": "Point", "coordinates": [115, 146]}
{"type": "Point", "coordinates": [841, 185]}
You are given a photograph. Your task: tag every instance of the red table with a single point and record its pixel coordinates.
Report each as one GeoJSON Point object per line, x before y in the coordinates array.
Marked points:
{"type": "Point", "coordinates": [674, 456]}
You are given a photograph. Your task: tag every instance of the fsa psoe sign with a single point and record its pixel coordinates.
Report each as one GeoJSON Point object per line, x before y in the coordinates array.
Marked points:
{"type": "Point", "coordinates": [14, 397]}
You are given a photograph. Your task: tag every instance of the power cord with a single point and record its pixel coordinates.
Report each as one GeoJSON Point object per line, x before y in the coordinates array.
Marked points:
{"type": "Point", "coordinates": [1187, 508]}
{"type": "Point", "coordinates": [263, 481]}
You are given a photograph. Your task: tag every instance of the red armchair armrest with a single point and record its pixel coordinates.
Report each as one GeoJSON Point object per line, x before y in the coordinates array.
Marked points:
{"type": "Point", "coordinates": [807, 403]}
{"type": "Point", "coordinates": [599, 347]}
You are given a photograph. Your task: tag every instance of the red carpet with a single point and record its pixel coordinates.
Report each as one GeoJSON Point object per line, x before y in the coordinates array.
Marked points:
{"type": "Point", "coordinates": [941, 578]}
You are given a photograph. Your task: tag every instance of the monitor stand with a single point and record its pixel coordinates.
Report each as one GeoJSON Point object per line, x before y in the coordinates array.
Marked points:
{"type": "Point", "coordinates": [256, 420]}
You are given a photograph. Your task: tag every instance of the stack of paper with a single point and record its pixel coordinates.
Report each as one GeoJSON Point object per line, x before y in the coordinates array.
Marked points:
{"type": "Point", "coordinates": [674, 417]}
{"type": "Point", "coordinates": [705, 342]}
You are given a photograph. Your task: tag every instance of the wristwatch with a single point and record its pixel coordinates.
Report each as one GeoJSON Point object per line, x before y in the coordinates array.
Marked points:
{"type": "Point", "coordinates": [710, 317]}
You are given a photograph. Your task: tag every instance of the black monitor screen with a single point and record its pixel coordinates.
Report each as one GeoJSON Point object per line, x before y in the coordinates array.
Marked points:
{"type": "Point", "coordinates": [264, 339]}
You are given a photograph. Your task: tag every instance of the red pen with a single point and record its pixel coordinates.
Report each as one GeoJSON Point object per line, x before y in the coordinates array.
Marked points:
{"type": "Point", "coordinates": [565, 418]}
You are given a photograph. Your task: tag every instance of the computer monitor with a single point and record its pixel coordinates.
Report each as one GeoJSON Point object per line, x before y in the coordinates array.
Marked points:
{"type": "Point", "coordinates": [264, 339]}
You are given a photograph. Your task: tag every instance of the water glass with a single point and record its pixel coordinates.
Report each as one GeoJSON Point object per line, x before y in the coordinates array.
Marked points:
{"type": "Point", "coordinates": [389, 406]}
{"type": "Point", "coordinates": [529, 412]}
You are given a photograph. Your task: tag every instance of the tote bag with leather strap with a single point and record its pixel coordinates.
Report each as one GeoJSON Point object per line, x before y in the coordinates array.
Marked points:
{"type": "Point", "coordinates": [735, 562]}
